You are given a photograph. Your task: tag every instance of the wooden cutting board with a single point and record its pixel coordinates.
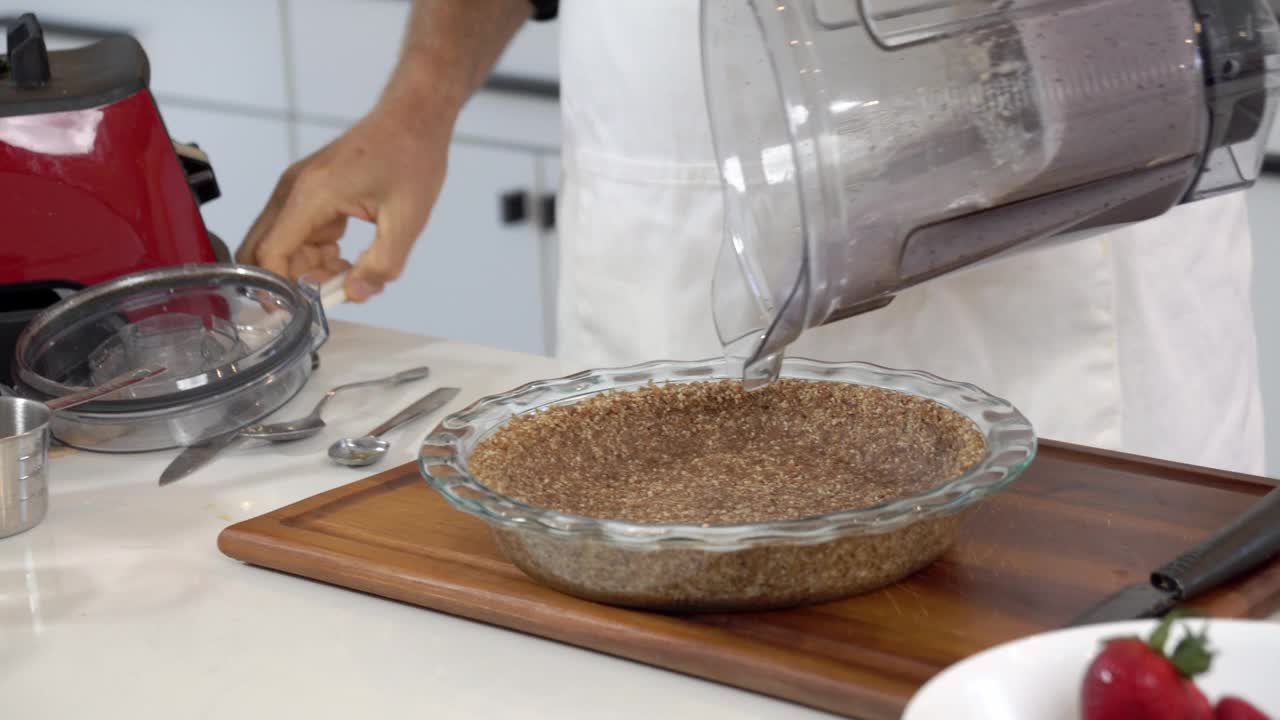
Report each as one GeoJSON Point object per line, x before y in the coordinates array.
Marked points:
{"type": "Point", "coordinates": [1078, 525]}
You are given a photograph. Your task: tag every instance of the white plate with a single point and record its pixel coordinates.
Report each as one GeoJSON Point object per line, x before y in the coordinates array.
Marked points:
{"type": "Point", "coordinates": [1038, 677]}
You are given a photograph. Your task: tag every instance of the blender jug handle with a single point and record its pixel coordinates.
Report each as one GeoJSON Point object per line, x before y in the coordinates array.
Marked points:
{"type": "Point", "coordinates": [864, 14]}
{"type": "Point", "coordinates": [865, 17]}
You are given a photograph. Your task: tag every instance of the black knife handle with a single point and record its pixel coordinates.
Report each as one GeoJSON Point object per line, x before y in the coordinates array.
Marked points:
{"type": "Point", "coordinates": [1252, 539]}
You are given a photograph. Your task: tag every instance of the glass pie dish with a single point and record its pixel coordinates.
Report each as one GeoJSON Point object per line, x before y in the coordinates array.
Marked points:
{"type": "Point", "coordinates": [691, 566]}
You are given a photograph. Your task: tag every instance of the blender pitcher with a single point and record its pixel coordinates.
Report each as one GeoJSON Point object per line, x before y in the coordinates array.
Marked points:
{"type": "Point", "coordinates": [865, 146]}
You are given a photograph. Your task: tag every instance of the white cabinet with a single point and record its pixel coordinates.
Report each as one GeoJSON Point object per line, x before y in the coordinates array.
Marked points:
{"type": "Point", "coordinates": [503, 117]}
{"type": "Point", "coordinates": [533, 52]}
{"type": "Point", "coordinates": [1264, 219]}
{"type": "Point", "coordinates": [226, 52]}
{"type": "Point", "coordinates": [259, 83]}
{"type": "Point", "coordinates": [247, 152]}
{"type": "Point", "coordinates": [548, 190]}
{"type": "Point", "coordinates": [471, 277]}
{"type": "Point", "coordinates": [1273, 142]}
{"type": "Point", "coordinates": [342, 52]}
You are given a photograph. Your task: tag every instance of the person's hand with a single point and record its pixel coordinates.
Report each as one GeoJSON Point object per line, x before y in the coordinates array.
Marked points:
{"type": "Point", "coordinates": [387, 169]}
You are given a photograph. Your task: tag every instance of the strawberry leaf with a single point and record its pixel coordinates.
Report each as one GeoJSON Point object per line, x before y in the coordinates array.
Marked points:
{"type": "Point", "coordinates": [1192, 655]}
{"type": "Point", "coordinates": [1160, 636]}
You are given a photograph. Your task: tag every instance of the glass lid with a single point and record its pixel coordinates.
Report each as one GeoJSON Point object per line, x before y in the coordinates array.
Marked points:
{"type": "Point", "coordinates": [213, 327]}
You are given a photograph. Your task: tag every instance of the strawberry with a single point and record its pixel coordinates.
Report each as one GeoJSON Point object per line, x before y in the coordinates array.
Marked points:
{"type": "Point", "coordinates": [1200, 705]}
{"type": "Point", "coordinates": [1133, 679]}
{"type": "Point", "coordinates": [1233, 708]}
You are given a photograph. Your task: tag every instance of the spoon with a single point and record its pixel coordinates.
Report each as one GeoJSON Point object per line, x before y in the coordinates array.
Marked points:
{"type": "Point", "coordinates": [367, 450]}
{"type": "Point", "coordinates": [312, 423]}
{"type": "Point", "coordinates": [65, 402]}
{"type": "Point", "coordinates": [113, 385]}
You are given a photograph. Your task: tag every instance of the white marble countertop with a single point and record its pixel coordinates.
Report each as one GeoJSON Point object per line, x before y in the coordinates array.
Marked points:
{"type": "Point", "coordinates": [121, 606]}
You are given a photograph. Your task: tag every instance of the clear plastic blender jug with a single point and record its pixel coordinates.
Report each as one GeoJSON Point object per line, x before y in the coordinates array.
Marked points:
{"type": "Point", "coordinates": [866, 146]}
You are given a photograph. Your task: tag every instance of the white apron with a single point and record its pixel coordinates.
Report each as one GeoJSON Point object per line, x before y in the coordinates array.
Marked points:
{"type": "Point", "coordinates": [1140, 340]}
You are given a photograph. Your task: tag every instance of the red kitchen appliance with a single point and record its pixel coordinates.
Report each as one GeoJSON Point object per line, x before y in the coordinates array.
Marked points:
{"type": "Point", "coordinates": [91, 185]}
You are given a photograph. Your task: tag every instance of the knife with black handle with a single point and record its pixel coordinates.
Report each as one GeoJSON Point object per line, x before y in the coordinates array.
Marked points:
{"type": "Point", "coordinates": [1243, 545]}
{"type": "Point", "coordinates": [1249, 541]}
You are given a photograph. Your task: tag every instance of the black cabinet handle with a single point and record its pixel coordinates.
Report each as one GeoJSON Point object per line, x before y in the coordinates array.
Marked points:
{"type": "Point", "coordinates": [526, 85]}
{"type": "Point", "coordinates": [514, 207]}
{"type": "Point", "coordinates": [517, 206]}
{"type": "Point", "coordinates": [547, 217]}
{"type": "Point", "coordinates": [1271, 164]}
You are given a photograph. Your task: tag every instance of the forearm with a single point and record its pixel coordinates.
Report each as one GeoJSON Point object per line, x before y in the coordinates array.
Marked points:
{"type": "Point", "coordinates": [449, 48]}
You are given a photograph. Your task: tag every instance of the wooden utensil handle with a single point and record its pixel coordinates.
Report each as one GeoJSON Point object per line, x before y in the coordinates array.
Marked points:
{"type": "Point", "coordinates": [1252, 539]}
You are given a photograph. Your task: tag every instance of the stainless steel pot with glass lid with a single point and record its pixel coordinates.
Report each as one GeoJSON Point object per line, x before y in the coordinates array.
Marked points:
{"type": "Point", "coordinates": [237, 343]}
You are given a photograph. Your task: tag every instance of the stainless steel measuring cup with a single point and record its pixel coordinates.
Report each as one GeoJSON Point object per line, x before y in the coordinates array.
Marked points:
{"type": "Point", "coordinates": [24, 450]}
